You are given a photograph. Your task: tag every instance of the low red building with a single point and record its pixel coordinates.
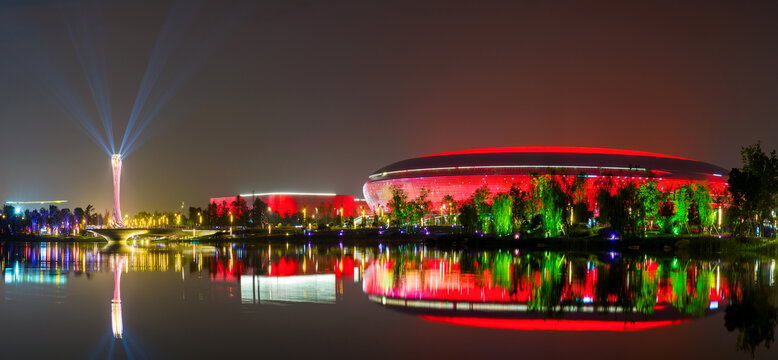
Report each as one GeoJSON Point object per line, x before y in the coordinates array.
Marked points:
{"type": "Point", "coordinates": [287, 203]}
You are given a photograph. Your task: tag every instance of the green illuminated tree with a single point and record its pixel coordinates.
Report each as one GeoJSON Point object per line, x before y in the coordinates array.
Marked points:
{"type": "Point", "coordinates": [552, 203]}
{"type": "Point", "coordinates": [502, 214]}
{"type": "Point", "coordinates": [701, 195]}
{"type": "Point", "coordinates": [648, 199]}
{"type": "Point", "coordinates": [399, 207]}
{"type": "Point", "coordinates": [681, 203]}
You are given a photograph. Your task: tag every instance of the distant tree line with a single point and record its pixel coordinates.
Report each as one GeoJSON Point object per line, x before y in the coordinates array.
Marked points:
{"type": "Point", "coordinates": [51, 220]}
{"type": "Point", "coordinates": [557, 205]}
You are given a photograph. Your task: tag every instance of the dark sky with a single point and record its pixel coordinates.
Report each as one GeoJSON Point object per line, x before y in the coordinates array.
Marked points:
{"type": "Point", "coordinates": [314, 95]}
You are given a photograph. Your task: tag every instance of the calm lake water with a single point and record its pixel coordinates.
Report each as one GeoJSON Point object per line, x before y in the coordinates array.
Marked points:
{"type": "Point", "coordinates": [184, 300]}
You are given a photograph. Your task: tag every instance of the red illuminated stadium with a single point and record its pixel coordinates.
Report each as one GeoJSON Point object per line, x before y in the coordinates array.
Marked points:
{"type": "Point", "coordinates": [460, 173]}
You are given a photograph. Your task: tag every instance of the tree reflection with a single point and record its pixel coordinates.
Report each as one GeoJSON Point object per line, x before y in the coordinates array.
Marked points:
{"type": "Point", "coordinates": [548, 294]}
{"type": "Point", "coordinates": [753, 313]}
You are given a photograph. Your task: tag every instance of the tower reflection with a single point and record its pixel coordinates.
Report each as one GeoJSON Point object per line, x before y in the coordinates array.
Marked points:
{"type": "Point", "coordinates": [119, 262]}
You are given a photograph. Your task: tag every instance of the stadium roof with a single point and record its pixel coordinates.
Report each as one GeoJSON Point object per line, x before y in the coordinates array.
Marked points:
{"type": "Point", "coordinates": [567, 160]}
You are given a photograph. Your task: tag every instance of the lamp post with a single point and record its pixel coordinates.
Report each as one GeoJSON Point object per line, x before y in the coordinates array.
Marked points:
{"type": "Point", "coordinates": [269, 212]}
{"type": "Point", "coordinates": [230, 223]}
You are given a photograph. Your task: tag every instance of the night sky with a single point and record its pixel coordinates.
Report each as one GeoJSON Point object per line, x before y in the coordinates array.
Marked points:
{"type": "Point", "coordinates": [315, 95]}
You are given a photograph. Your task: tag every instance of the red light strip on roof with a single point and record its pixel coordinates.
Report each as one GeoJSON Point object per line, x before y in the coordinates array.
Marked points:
{"type": "Point", "coordinates": [551, 325]}
{"type": "Point", "coordinates": [556, 149]}
{"type": "Point", "coordinates": [385, 173]}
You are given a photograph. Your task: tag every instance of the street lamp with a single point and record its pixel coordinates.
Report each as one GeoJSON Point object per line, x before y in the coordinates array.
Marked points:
{"type": "Point", "coordinates": [230, 223]}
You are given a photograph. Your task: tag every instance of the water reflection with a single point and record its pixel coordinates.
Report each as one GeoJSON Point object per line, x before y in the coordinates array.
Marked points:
{"type": "Point", "coordinates": [118, 263]}
{"type": "Point", "coordinates": [552, 285]}
{"type": "Point", "coordinates": [569, 292]}
{"type": "Point", "coordinates": [496, 289]}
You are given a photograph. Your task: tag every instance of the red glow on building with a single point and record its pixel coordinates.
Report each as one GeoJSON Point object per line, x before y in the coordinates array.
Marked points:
{"type": "Point", "coordinates": [551, 324]}
{"type": "Point", "coordinates": [555, 149]}
{"type": "Point", "coordinates": [286, 204]}
{"type": "Point", "coordinates": [461, 187]}
{"type": "Point", "coordinates": [460, 173]}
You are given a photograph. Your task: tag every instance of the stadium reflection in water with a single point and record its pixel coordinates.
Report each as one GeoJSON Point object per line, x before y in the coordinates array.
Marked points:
{"type": "Point", "coordinates": [508, 290]}
{"type": "Point", "coordinates": [548, 291]}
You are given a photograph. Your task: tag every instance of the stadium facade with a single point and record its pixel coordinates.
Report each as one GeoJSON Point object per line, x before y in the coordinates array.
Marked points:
{"type": "Point", "coordinates": [460, 173]}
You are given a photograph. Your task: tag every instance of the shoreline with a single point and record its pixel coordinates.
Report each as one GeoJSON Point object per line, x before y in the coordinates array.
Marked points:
{"type": "Point", "coordinates": [681, 245]}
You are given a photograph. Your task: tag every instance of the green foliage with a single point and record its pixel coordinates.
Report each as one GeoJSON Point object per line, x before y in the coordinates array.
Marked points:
{"type": "Point", "coordinates": [649, 198]}
{"type": "Point", "coordinates": [621, 210]}
{"type": "Point", "coordinates": [547, 296]}
{"type": "Point", "coordinates": [501, 264]}
{"type": "Point", "coordinates": [701, 195]}
{"type": "Point", "coordinates": [552, 204]}
{"type": "Point", "coordinates": [681, 199]}
{"type": "Point", "coordinates": [645, 300]}
{"type": "Point", "coordinates": [483, 209]}
{"type": "Point", "coordinates": [419, 207]}
{"type": "Point", "coordinates": [665, 213]}
{"type": "Point", "coordinates": [502, 214]}
{"type": "Point", "coordinates": [398, 205]}
{"type": "Point", "coordinates": [754, 189]}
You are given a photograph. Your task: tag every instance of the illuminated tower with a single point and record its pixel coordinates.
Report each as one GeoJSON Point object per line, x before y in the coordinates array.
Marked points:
{"type": "Point", "coordinates": [116, 165]}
